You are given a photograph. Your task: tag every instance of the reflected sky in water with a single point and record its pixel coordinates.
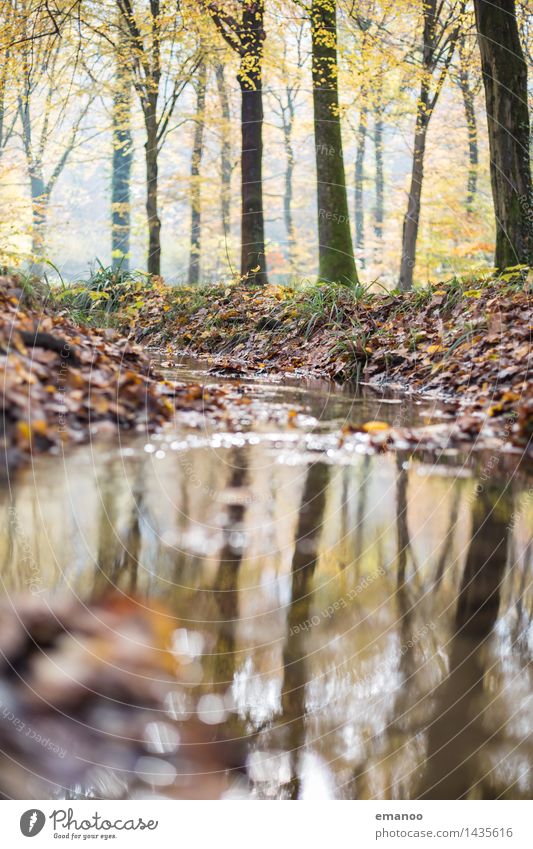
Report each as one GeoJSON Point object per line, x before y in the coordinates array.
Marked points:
{"type": "Point", "coordinates": [361, 623]}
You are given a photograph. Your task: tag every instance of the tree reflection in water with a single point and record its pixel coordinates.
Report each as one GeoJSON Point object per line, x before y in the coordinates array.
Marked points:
{"type": "Point", "coordinates": [295, 671]}
{"type": "Point", "coordinates": [459, 730]}
{"type": "Point", "coordinates": [225, 585]}
{"type": "Point", "coordinates": [414, 678]}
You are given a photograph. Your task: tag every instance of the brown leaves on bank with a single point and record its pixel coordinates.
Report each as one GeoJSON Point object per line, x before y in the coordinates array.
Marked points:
{"type": "Point", "coordinates": [61, 382]}
{"type": "Point", "coordinates": [466, 342]}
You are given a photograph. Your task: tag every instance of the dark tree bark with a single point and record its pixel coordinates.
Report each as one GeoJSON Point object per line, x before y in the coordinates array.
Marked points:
{"type": "Point", "coordinates": [152, 168]}
{"type": "Point", "coordinates": [441, 29]}
{"type": "Point", "coordinates": [359, 212]}
{"type": "Point", "coordinates": [505, 80]}
{"type": "Point", "coordinates": [336, 260]}
{"type": "Point", "coordinates": [253, 260]}
{"type": "Point", "coordinates": [246, 36]}
{"type": "Point", "coordinates": [196, 161]}
{"type": "Point", "coordinates": [471, 126]}
{"type": "Point", "coordinates": [225, 152]}
{"type": "Point", "coordinates": [121, 169]}
{"type": "Point", "coordinates": [412, 217]}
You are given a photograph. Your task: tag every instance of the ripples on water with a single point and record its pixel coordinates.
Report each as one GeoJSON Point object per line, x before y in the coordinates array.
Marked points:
{"type": "Point", "coordinates": [361, 622]}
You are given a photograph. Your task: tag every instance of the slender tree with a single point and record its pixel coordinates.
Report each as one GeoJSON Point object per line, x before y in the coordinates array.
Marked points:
{"type": "Point", "coordinates": [245, 33]}
{"type": "Point", "coordinates": [285, 104]}
{"type": "Point", "coordinates": [441, 28]}
{"type": "Point", "coordinates": [336, 259]}
{"type": "Point", "coordinates": [121, 166]}
{"type": "Point", "coordinates": [163, 60]}
{"type": "Point", "coordinates": [40, 73]}
{"type": "Point", "coordinates": [196, 161]}
{"type": "Point", "coordinates": [8, 110]}
{"type": "Point", "coordinates": [374, 53]}
{"type": "Point", "coordinates": [504, 72]}
{"type": "Point", "coordinates": [225, 151]}
{"type": "Point", "coordinates": [467, 92]}
{"type": "Point", "coordinates": [359, 212]}
{"type": "Point", "coordinates": [379, 171]}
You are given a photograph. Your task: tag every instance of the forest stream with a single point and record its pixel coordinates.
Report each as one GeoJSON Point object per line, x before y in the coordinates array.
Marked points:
{"type": "Point", "coordinates": [358, 624]}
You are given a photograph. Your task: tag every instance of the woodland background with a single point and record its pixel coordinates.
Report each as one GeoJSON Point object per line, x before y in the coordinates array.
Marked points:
{"type": "Point", "coordinates": [73, 87]}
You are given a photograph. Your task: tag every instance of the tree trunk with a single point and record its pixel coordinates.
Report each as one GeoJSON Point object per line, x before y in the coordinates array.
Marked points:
{"type": "Point", "coordinates": [412, 217]}
{"type": "Point", "coordinates": [2, 117]}
{"type": "Point", "coordinates": [470, 113]}
{"type": "Point", "coordinates": [196, 161]}
{"type": "Point", "coordinates": [336, 260]}
{"type": "Point", "coordinates": [154, 223]}
{"type": "Point", "coordinates": [253, 258]}
{"type": "Point", "coordinates": [379, 210]}
{"type": "Point", "coordinates": [40, 199]}
{"type": "Point", "coordinates": [287, 197]}
{"type": "Point", "coordinates": [121, 170]}
{"type": "Point", "coordinates": [358, 194]}
{"type": "Point", "coordinates": [471, 125]}
{"type": "Point", "coordinates": [505, 80]}
{"type": "Point", "coordinates": [225, 152]}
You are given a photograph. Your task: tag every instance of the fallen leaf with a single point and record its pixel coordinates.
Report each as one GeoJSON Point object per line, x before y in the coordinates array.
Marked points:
{"type": "Point", "coordinates": [375, 427]}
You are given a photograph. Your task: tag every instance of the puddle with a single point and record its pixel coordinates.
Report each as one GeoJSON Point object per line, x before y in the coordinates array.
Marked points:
{"type": "Point", "coordinates": [361, 624]}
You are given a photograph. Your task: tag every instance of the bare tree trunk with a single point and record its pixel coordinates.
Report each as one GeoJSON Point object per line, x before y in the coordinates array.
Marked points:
{"type": "Point", "coordinates": [379, 209]}
{"type": "Point", "coordinates": [506, 95]}
{"type": "Point", "coordinates": [289, 170]}
{"type": "Point", "coordinates": [336, 260]}
{"type": "Point", "coordinates": [196, 161]}
{"type": "Point", "coordinates": [253, 258]}
{"type": "Point", "coordinates": [441, 30]}
{"type": "Point", "coordinates": [471, 126]}
{"type": "Point", "coordinates": [225, 152]}
{"type": "Point", "coordinates": [40, 200]}
{"type": "Point", "coordinates": [245, 34]}
{"type": "Point", "coordinates": [154, 223]}
{"type": "Point", "coordinates": [473, 158]}
{"type": "Point", "coordinates": [121, 169]}
{"type": "Point", "coordinates": [358, 194]}
{"type": "Point", "coordinates": [412, 217]}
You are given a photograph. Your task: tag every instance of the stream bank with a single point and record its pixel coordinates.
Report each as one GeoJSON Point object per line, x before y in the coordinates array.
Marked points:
{"type": "Point", "coordinates": [465, 343]}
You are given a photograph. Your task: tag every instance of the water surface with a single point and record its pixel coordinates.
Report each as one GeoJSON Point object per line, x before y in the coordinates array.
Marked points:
{"type": "Point", "coordinates": [363, 621]}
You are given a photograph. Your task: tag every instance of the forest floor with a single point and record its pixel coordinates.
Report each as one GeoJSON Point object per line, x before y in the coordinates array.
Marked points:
{"type": "Point", "coordinates": [75, 361]}
{"type": "Point", "coordinates": [63, 382]}
{"type": "Point", "coordinates": [466, 342]}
